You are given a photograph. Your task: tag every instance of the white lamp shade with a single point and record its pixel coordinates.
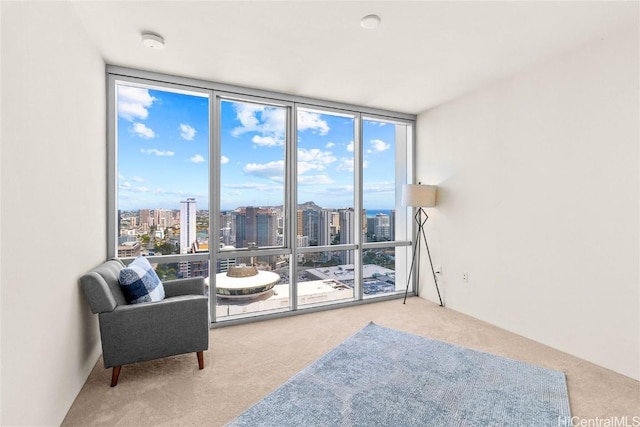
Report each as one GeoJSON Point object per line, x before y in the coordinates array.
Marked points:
{"type": "Point", "coordinates": [419, 196]}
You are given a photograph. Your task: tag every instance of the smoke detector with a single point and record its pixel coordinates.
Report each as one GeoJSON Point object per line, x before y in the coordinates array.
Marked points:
{"type": "Point", "coordinates": [152, 41]}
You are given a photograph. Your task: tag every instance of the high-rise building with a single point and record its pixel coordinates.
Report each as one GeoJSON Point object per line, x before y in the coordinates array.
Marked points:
{"type": "Point", "coordinates": [299, 226]}
{"type": "Point", "coordinates": [303, 241]}
{"type": "Point", "coordinates": [187, 224]}
{"type": "Point", "coordinates": [335, 219]}
{"type": "Point", "coordinates": [267, 234]}
{"type": "Point", "coordinates": [266, 229]}
{"type": "Point", "coordinates": [157, 214]}
{"type": "Point", "coordinates": [324, 227]}
{"type": "Point", "coordinates": [225, 228]}
{"type": "Point", "coordinates": [335, 222]}
{"type": "Point", "coordinates": [371, 226]}
{"type": "Point", "coordinates": [363, 232]}
{"type": "Point", "coordinates": [392, 220]}
{"type": "Point", "coordinates": [225, 235]}
{"type": "Point", "coordinates": [129, 249]}
{"type": "Point", "coordinates": [162, 218]}
{"type": "Point", "coordinates": [382, 228]}
{"type": "Point", "coordinates": [347, 233]}
{"type": "Point", "coordinates": [238, 229]}
{"type": "Point", "coordinates": [250, 226]}
{"type": "Point", "coordinates": [144, 215]}
{"type": "Point", "coordinates": [196, 268]}
{"type": "Point", "coordinates": [310, 225]}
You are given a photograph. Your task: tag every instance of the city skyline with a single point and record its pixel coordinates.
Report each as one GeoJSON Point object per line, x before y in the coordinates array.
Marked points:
{"type": "Point", "coordinates": [163, 153]}
{"type": "Point", "coordinates": [371, 212]}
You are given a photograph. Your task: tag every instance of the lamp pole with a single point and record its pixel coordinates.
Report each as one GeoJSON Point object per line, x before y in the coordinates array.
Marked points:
{"type": "Point", "coordinates": [421, 235]}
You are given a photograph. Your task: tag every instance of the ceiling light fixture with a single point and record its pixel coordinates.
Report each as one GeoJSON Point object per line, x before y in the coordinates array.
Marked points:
{"type": "Point", "coordinates": [153, 41]}
{"type": "Point", "coordinates": [370, 22]}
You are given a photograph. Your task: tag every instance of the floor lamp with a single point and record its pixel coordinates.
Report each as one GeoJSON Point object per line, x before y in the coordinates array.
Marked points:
{"type": "Point", "coordinates": [420, 196]}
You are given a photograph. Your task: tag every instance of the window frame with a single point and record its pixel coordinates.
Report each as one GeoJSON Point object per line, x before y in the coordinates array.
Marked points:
{"type": "Point", "coordinates": [216, 92]}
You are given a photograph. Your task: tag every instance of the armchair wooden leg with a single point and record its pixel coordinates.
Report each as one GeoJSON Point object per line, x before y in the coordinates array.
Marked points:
{"type": "Point", "coordinates": [200, 355]}
{"type": "Point", "coordinates": [114, 375]}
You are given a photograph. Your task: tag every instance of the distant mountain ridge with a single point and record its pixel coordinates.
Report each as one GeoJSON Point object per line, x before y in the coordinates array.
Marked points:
{"type": "Point", "coordinates": [303, 206]}
{"type": "Point", "coordinates": [309, 205]}
{"type": "Point", "coordinates": [313, 206]}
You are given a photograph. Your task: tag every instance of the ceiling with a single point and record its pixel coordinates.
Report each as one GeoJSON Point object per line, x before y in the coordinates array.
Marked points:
{"type": "Point", "coordinates": [424, 53]}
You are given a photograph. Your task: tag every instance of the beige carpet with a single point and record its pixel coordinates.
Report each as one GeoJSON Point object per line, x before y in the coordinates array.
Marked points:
{"type": "Point", "coordinates": [246, 362]}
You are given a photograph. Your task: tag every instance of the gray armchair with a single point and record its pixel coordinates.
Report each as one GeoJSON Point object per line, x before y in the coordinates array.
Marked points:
{"type": "Point", "coordinates": [138, 332]}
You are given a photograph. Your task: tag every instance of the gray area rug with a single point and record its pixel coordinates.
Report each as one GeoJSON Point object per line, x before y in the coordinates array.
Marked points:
{"type": "Point", "coordinates": [385, 377]}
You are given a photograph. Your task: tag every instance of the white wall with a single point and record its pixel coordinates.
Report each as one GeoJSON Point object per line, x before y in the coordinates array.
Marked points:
{"type": "Point", "coordinates": [53, 208]}
{"type": "Point", "coordinates": [539, 201]}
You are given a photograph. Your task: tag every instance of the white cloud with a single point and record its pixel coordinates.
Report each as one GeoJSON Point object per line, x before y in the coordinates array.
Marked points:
{"type": "Point", "coordinates": [273, 120]}
{"type": "Point", "coordinates": [316, 155]}
{"type": "Point", "coordinates": [125, 184]}
{"type": "Point", "coordinates": [272, 170]}
{"type": "Point", "coordinates": [251, 186]}
{"type": "Point", "coordinates": [268, 122]}
{"type": "Point", "coordinates": [247, 115]}
{"type": "Point", "coordinates": [350, 147]}
{"type": "Point", "coordinates": [187, 132]}
{"type": "Point", "coordinates": [337, 191]}
{"type": "Point", "coordinates": [267, 141]}
{"type": "Point", "coordinates": [306, 167]}
{"type": "Point", "coordinates": [137, 179]}
{"type": "Point", "coordinates": [167, 197]}
{"type": "Point", "coordinates": [157, 152]}
{"type": "Point", "coordinates": [142, 131]}
{"type": "Point", "coordinates": [379, 145]}
{"type": "Point", "coordinates": [196, 159]}
{"type": "Point", "coordinates": [347, 164]}
{"type": "Point", "coordinates": [248, 186]}
{"type": "Point", "coordinates": [224, 160]}
{"type": "Point", "coordinates": [312, 121]}
{"type": "Point", "coordinates": [341, 189]}
{"type": "Point", "coordinates": [314, 180]}
{"type": "Point", "coordinates": [379, 187]}
{"type": "Point", "coordinates": [133, 102]}
{"type": "Point", "coordinates": [330, 145]}
{"type": "Point", "coordinates": [313, 160]}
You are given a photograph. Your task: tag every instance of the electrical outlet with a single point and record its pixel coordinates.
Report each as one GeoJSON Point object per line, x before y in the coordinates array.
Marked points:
{"type": "Point", "coordinates": [465, 277]}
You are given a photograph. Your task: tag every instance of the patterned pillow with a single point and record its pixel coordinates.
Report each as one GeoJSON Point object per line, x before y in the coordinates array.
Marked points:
{"type": "Point", "coordinates": [140, 283]}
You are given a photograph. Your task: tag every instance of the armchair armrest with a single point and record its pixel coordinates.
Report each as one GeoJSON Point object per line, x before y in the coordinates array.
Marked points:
{"type": "Point", "coordinates": [189, 286]}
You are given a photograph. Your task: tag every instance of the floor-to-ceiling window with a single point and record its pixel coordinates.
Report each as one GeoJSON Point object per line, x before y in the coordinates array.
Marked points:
{"type": "Point", "coordinates": [160, 176]}
{"type": "Point", "coordinates": [282, 203]}
{"type": "Point", "coordinates": [326, 206]}
{"type": "Point", "coordinates": [252, 265]}
{"type": "Point", "coordinates": [386, 146]}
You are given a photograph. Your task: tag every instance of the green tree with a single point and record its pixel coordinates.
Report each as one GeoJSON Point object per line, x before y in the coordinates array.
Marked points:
{"type": "Point", "coordinates": [165, 248]}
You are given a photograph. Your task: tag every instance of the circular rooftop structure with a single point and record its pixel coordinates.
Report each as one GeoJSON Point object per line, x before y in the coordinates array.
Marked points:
{"type": "Point", "coordinates": [245, 282]}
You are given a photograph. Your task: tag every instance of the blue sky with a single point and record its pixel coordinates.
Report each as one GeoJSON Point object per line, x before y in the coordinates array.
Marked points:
{"type": "Point", "coordinates": [163, 154]}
